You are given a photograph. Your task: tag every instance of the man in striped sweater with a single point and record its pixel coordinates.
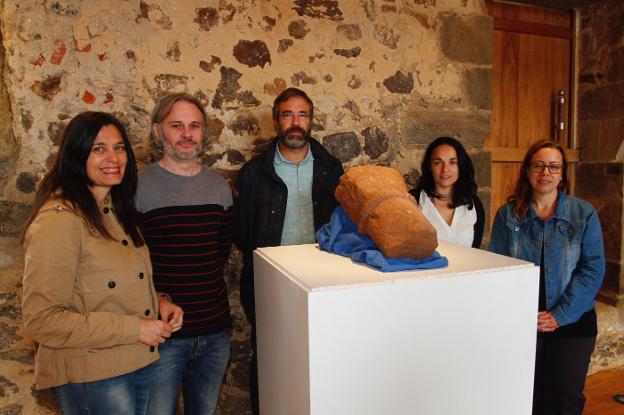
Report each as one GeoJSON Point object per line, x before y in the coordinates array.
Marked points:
{"type": "Point", "coordinates": [186, 222]}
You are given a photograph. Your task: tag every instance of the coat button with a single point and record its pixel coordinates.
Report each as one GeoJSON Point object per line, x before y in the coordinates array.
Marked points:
{"type": "Point", "coordinates": [141, 275]}
{"type": "Point", "coordinates": [124, 242]}
{"type": "Point", "coordinates": [152, 348]}
{"type": "Point", "coordinates": [106, 210]}
{"type": "Point", "coordinates": [517, 228]}
{"type": "Point", "coordinates": [112, 284]}
{"type": "Point", "coordinates": [147, 312]}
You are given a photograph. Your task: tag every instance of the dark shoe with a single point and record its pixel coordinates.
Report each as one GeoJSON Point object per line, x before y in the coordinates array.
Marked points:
{"type": "Point", "coordinates": [619, 397]}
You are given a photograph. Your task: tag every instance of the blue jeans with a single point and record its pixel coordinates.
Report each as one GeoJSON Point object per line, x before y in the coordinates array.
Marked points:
{"type": "Point", "coordinates": [124, 395]}
{"type": "Point", "coordinates": [199, 363]}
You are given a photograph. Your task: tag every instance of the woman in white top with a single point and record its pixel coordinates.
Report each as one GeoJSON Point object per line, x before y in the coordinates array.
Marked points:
{"type": "Point", "coordinates": [447, 193]}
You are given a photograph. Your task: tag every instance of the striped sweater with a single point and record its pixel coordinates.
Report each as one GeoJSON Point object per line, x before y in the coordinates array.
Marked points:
{"type": "Point", "coordinates": [186, 223]}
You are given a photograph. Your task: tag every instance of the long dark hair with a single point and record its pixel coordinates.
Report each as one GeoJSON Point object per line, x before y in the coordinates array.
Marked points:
{"type": "Point", "coordinates": [523, 193]}
{"type": "Point", "coordinates": [464, 189]}
{"type": "Point", "coordinates": [69, 181]}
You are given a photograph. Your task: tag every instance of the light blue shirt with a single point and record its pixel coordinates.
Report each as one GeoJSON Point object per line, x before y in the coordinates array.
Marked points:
{"type": "Point", "coordinates": [299, 218]}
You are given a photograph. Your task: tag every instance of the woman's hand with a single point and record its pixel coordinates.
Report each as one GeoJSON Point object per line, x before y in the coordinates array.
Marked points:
{"type": "Point", "coordinates": [170, 313]}
{"type": "Point", "coordinates": [153, 332]}
{"type": "Point", "coordinates": [546, 322]}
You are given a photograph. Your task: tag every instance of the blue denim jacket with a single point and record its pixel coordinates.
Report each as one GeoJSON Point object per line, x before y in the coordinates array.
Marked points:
{"type": "Point", "coordinates": [574, 261]}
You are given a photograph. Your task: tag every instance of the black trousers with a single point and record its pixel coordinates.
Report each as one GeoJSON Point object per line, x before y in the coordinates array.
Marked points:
{"type": "Point", "coordinates": [561, 365]}
{"type": "Point", "coordinates": [249, 307]}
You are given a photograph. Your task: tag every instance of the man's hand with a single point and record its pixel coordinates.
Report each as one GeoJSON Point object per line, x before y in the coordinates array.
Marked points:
{"type": "Point", "coordinates": [170, 313]}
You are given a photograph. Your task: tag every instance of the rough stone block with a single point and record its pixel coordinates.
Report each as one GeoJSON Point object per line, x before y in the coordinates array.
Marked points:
{"type": "Point", "coordinates": [477, 83]}
{"type": "Point", "coordinates": [48, 88]}
{"type": "Point", "coordinates": [252, 53]}
{"type": "Point", "coordinates": [423, 126]}
{"type": "Point", "coordinates": [344, 146]}
{"type": "Point", "coordinates": [601, 139]}
{"type": "Point", "coordinates": [466, 39]}
{"type": "Point", "coordinates": [616, 69]}
{"type": "Point", "coordinates": [319, 9]}
{"type": "Point", "coordinates": [608, 202]}
{"type": "Point", "coordinates": [8, 144]}
{"type": "Point", "coordinates": [399, 83]}
{"type": "Point", "coordinates": [13, 216]}
{"type": "Point", "coordinates": [375, 142]}
{"type": "Point", "coordinates": [376, 199]}
{"type": "Point", "coordinates": [349, 31]}
{"type": "Point", "coordinates": [603, 102]}
{"type": "Point", "coordinates": [482, 162]}
{"type": "Point", "coordinates": [298, 29]}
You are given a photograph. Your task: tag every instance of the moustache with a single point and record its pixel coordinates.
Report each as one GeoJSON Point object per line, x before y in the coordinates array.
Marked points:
{"type": "Point", "coordinates": [295, 129]}
{"type": "Point", "coordinates": [187, 141]}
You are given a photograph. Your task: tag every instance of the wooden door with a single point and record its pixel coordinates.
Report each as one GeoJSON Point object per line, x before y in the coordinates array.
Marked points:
{"type": "Point", "coordinates": [531, 64]}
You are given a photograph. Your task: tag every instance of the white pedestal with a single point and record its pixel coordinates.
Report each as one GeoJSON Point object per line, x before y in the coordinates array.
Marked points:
{"type": "Point", "coordinates": [340, 338]}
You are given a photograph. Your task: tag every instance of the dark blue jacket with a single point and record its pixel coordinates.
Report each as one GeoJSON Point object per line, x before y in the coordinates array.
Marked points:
{"type": "Point", "coordinates": [260, 198]}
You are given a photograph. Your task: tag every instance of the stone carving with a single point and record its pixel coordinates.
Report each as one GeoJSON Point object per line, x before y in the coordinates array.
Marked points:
{"type": "Point", "coordinates": [376, 199]}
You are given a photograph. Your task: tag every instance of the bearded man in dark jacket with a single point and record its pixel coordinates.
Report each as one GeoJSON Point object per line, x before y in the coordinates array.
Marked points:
{"type": "Point", "coordinates": [282, 197]}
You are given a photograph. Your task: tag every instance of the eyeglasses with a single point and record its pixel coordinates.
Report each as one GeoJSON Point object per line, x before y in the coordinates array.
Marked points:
{"type": "Point", "coordinates": [553, 168]}
{"type": "Point", "coordinates": [289, 116]}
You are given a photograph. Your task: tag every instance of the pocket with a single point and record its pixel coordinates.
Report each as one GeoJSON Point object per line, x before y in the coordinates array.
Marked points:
{"type": "Point", "coordinates": [571, 234]}
{"type": "Point", "coordinates": [513, 237]}
{"type": "Point", "coordinates": [115, 290]}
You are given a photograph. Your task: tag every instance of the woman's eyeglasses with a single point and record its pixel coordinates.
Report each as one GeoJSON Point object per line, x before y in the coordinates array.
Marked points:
{"type": "Point", "coordinates": [553, 168]}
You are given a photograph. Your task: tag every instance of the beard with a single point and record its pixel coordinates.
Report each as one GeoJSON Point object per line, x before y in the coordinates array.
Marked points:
{"type": "Point", "coordinates": [294, 141]}
{"type": "Point", "coordinates": [178, 154]}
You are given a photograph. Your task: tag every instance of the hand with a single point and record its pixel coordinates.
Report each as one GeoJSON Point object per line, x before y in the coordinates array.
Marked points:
{"type": "Point", "coordinates": [152, 332]}
{"type": "Point", "coordinates": [546, 322]}
{"type": "Point", "coordinates": [170, 313]}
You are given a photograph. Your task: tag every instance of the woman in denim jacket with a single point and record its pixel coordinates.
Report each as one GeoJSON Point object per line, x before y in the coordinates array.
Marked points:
{"type": "Point", "coordinates": [560, 233]}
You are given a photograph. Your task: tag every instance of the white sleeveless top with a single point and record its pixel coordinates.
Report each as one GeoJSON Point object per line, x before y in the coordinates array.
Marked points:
{"type": "Point", "coordinates": [461, 230]}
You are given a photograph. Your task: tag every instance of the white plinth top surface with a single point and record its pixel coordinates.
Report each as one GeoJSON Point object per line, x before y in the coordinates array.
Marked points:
{"type": "Point", "coordinates": [314, 269]}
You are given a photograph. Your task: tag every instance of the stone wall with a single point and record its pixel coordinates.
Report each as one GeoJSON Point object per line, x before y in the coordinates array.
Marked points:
{"type": "Point", "coordinates": [600, 176]}
{"type": "Point", "coordinates": [387, 76]}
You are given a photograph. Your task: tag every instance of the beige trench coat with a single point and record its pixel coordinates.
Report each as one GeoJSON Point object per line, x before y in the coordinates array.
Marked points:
{"type": "Point", "coordinates": [83, 296]}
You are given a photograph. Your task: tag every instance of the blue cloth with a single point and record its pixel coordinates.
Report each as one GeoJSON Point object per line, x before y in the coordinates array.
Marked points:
{"type": "Point", "coordinates": [299, 216]}
{"type": "Point", "coordinates": [574, 261]}
{"type": "Point", "coordinates": [341, 237]}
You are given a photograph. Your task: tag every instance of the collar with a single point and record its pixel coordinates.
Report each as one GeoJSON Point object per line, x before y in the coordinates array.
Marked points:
{"type": "Point", "coordinates": [279, 159]}
{"type": "Point", "coordinates": [562, 210]}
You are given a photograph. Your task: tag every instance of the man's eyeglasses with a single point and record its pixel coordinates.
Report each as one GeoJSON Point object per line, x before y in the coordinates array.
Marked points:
{"type": "Point", "coordinates": [289, 116]}
{"type": "Point", "coordinates": [554, 168]}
